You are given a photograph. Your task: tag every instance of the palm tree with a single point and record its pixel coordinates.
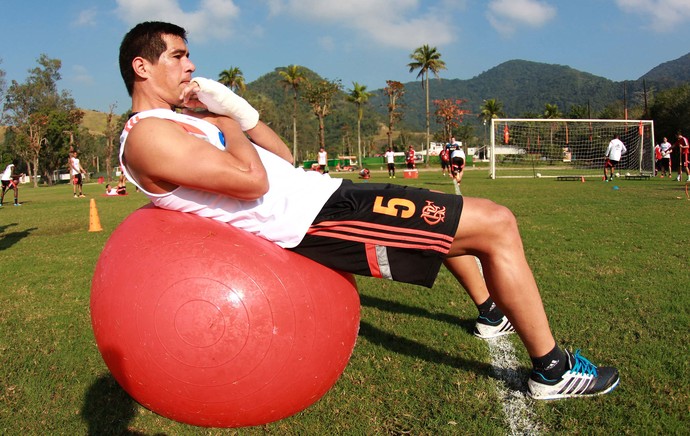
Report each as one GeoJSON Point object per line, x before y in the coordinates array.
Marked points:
{"type": "Point", "coordinates": [551, 111]}
{"type": "Point", "coordinates": [359, 96]}
{"type": "Point", "coordinates": [233, 79]}
{"type": "Point", "coordinates": [292, 78]}
{"type": "Point", "coordinates": [426, 59]}
{"type": "Point", "coordinates": [491, 109]}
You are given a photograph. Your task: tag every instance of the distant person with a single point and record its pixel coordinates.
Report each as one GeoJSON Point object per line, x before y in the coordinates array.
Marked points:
{"type": "Point", "coordinates": [457, 163]}
{"type": "Point", "coordinates": [109, 190]}
{"type": "Point", "coordinates": [613, 155]}
{"type": "Point", "coordinates": [444, 155]}
{"type": "Point", "coordinates": [10, 181]}
{"type": "Point", "coordinates": [657, 159]}
{"type": "Point", "coordinates": [122, 184]}
{"type": "Point", "coordinates": [323, 160]}
{"type": "Point", "coordinates": [683, 155]}
{"type": "Point", "coordinates": [76, 173]}
{"type": "Point", "coordinates": [390, 162]}
{"type": "Point", "coordinates": [666, 149]}
{"type": "Point", "coordinates": [409, 158]}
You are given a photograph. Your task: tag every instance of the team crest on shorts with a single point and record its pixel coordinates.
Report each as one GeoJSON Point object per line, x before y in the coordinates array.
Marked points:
{"type": "Point", "coordinates": [433, 214]}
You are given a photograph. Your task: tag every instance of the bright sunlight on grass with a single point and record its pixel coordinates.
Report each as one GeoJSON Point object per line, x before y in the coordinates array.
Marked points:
{"type": "Point", "coordinates": [612, 265]}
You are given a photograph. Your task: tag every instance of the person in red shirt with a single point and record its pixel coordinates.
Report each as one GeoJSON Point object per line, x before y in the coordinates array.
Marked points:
{"type": "Point", "coordinates": [684, 149]}
{"type": "Point", "coordinates": [409, 158]}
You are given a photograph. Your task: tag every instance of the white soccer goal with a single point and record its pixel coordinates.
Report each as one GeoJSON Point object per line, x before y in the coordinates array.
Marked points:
{"type": "Point", "coordinates": [525, 147]}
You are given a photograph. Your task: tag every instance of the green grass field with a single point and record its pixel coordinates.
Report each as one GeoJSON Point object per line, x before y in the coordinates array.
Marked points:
{"type": "Point", "coordinates": [612, 266]}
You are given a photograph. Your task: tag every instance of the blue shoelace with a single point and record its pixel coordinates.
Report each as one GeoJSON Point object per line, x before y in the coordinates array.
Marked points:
{"type": "Point", "coordinates": [583, 366]}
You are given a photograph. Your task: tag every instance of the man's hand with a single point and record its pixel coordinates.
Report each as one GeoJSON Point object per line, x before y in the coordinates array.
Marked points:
{"type": "Point", "coordinates": [219, 99]}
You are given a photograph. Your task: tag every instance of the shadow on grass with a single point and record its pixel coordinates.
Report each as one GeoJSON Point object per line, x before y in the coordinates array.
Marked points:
{"type": "Point", "coordinates": [395, 307]}
{"type": "Point", "coordinates": [9, 239]}
{"type": "Point", "coordinates": [412, 348]}
{"type": "Point", "coordinates": [108, 409]}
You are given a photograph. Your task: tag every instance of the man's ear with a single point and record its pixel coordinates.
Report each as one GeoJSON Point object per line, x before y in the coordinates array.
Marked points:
{"type": "Point", "coordinates": [140, 66]}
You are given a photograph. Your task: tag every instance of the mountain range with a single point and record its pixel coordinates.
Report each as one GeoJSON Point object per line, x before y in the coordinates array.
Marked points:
{"type": "Point", "coordinates": [525, 87]}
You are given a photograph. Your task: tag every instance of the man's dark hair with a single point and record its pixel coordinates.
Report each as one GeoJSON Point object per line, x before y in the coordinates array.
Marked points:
{"type": "Point", "coordinates": [145, 40]}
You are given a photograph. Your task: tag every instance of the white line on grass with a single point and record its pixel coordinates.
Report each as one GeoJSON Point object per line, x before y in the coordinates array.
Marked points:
{"type": "Point", "coordinates": [519, 416]}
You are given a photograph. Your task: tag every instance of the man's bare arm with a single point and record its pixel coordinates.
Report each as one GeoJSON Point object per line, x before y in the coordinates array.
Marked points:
{"type": "Point", "coordinates": [162, 156]}
{"type": "Point", "coordinates": [266, 138]}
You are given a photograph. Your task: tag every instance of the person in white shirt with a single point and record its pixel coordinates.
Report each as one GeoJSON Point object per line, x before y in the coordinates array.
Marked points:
{"type": "Point", "coordinates": [10, 181]}
{"type": "Point", "coordinates": [323, 160]}
{"type": "Point", "coordinates": [665, 166]}
{"type": "Point", "coordinates": [390, 161]}
{"type": "Point", "coordinates": [76, 172]}
{"type": "Point", "coordinates": [613, 155]}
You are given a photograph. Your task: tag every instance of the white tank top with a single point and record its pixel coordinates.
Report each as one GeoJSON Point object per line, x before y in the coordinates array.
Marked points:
{"type": "Point", "coordinates": [283, 215]}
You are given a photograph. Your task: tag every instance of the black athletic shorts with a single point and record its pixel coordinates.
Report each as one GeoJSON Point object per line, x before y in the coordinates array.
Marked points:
{"type": "Point", "coordinates": [382, 230]}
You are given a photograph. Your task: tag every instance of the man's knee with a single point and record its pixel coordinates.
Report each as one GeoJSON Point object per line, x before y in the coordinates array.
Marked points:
{"type": "Point", "coordinates": [485, 223]}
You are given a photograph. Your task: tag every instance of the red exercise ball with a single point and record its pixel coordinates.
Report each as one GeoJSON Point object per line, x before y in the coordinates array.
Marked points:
{"type": "Point", "coordinates": [209, 325]}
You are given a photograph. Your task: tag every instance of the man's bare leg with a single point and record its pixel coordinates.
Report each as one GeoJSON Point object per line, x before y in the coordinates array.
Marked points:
{"type": "Point", "coordinates": [490, 232]}
{"type": "Point", "coordinates": [491, 321]}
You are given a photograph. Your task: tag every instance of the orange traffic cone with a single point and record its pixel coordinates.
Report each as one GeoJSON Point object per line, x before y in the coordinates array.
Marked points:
{"type": "Point", "coordinates": [94, 220]}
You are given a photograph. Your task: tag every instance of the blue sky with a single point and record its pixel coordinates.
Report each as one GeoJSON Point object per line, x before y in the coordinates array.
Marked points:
{"type": "Point", "coordinates": [364, 41]}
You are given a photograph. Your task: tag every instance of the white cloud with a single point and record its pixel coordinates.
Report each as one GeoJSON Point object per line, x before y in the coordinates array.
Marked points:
{"type": "Point", "coordinates": [327, 43]}
{"type": "Point", "coordinates": [80, 75]}
{"type": "Point", "coordinates": [662, 13]}
{"type": "Point", "coordinates": [213, 19]}
{"type": "Point", "coordinates": [402, 24]}
{"type": "Point", "coordinates": [86, 18]}
{"type": "Point", "coordinates": [507, 15]}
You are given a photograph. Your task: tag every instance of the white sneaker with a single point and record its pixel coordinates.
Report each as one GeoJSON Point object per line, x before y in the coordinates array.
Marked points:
{"type": "Point", "coordinates": [583, 379]}
{"type": "Point", "coordinates": [486, 329]}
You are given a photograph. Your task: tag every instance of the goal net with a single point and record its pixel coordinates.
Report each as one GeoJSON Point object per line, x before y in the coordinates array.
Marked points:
{"type": "Point", "coordinates": [525, 147]}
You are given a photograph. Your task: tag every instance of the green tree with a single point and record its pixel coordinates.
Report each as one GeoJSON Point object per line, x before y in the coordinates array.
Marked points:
{"type": "Point", "coordinates": [426, 59]}
{"type": "Point", "coordinates": [233, 79]}
{"type": "Point", "coordinates": [491, 109]}
{"type": "Point", "coordinates": [39, 115]}
{"type": "Point", "coordinates": [551, 111]}
{"type": "Point", "coordinates": [320, 95]}
{"type": "Point", "coordinates": [359, 96]}
{"type": "Point", "coordinates": [292, 78]}
{"type": "Point", "coordinates": [579, 112]}
{"type": "Point", "coordinates": [670, 111]}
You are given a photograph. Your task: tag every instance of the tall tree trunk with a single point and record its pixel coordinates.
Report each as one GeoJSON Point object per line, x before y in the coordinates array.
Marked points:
{"type": "Point", "coordinates": [428, 136]}
{"type": "Point", "coordinates": [322, 132]}
{"type": "Point", "coordinates": [359, 138]}
{"type": "Point", "coordinates": [294, 129]}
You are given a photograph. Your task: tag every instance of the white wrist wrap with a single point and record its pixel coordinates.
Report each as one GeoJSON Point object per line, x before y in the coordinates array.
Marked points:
{"type": "Point", "coordinates": [220, 100]}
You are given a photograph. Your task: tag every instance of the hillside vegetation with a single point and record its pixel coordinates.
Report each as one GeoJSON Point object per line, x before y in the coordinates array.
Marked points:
{"type": "Point", "coordinates": [523, 87]}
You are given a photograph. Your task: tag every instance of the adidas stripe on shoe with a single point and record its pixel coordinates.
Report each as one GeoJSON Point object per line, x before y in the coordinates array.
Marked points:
{"type": "Point", "coordinates": [487, 329]}
{"type": "Point", "coordinates": [583, 379]}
